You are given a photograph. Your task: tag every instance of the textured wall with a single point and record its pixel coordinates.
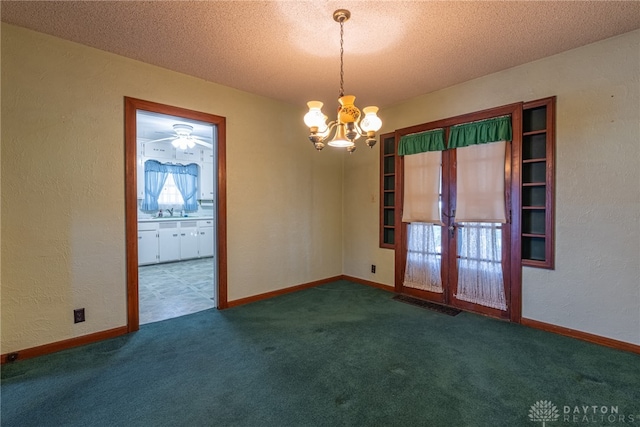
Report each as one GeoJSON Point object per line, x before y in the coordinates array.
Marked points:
{"type": "Point", "coordinates": [63, 229]}
{"type": "Point", "coordinates": [596, 284]}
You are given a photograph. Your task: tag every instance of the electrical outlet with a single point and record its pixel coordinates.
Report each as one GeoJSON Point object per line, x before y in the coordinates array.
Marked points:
{"type": "Point", "coordinates": [373, 268]}
{"type": "Point", "coordinates": [78, 315]}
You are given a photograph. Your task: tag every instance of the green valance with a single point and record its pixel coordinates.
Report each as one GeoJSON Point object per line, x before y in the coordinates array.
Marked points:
{"type": "Point", "coordinates": [432, 140]}
{"type": "Point", "coordinates": [481, 132]}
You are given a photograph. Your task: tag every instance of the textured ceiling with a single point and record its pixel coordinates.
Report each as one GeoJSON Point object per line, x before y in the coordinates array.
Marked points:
{"type": "Point", "coordinates": [289, 50]}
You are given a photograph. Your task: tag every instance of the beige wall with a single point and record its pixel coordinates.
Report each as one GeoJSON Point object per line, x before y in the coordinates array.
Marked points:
{"type": "Point", "coordinates": [63, 229]}
{"type": "Point", "coordinates": [595, 286]}
{"type": "Point", "coordinates": [62, 194]}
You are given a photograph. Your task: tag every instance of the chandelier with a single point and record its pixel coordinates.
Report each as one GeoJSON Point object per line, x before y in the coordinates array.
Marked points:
{"type": "Point", "coordinates": [348, 127]}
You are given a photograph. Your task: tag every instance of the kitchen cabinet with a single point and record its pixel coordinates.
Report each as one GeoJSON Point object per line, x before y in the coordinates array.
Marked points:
{"type": "Point", "coordinates": [147, 243]}
{"type": "Point", "coordinates": [207, 155]}
{"type": "Point", "coordinates": [147, 247]}
{"type": "Point", "coordinates": [206, 182]}
{"type": "Point", "coordinates": [189, 155]}
{"type": "Point", "coordinates": [188, 239]}
{"type": "Point", "coordinates": [159, 150]}
{"type": "Point", "coordinates": [169, 241]}
{"type": "Point", "coordinates": [205, 238]}
{"type": "Point", "coordinates": [140, 177]}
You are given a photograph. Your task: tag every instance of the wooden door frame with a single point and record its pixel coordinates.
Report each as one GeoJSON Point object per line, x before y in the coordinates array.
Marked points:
{"type": "Point", "coordinates": [512, 172]}
{"type": "Point", "coordinates": [132, 105]}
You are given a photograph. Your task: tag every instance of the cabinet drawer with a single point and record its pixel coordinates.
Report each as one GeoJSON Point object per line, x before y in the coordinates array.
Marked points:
{"type": "Point", "coordinates": [205, 223]}
{"type": "Point", "coordinates": [166, 225]}
{"type": "Point", "coordinates": [147, 226]}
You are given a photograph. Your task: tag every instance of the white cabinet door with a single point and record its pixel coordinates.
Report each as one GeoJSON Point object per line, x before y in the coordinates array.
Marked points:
{"type": "Point", "coordinates": [205, 241]}
{"type": "Point", "coordinates": [169, 241]}
{"type": "Point", "coordinates": [140, 176]}
{"type": "Point", "coordinates": [207, 155]}
{"type": "Point", "coordinates": [189, 155]}
{"type": "Point", "coordinates": [188, 240]}
{"type": "Point", "coordinates": [159, 150]}
{"type": "Point", "coordinates": [147, 247]}
{"type": "Point", "coordinates": [206, 182]}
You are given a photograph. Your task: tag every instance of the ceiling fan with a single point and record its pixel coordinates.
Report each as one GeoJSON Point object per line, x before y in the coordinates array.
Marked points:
{"type": "Point", "coordinates": [183, 139]}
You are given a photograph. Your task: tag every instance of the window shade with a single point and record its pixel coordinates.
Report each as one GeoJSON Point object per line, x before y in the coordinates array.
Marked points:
{"type": "Point", "coordinates": [422, 142]}
{"type": "Point", "coordinates": [480, 132]}
{"type": "Point", "coordinates": [480, 183]}
{"type": "Point", "coordinates": [422, 188]}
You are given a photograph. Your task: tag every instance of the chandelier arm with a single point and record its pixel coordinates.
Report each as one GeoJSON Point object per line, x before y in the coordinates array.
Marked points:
{"type": "Point", "coordinates": [358, 129]}
{"type": "Point", "coordinates": [329, 131]}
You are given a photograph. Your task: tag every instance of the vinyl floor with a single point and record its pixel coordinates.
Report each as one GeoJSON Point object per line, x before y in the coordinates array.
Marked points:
{"type": "Point", "coordinates": [175, 289]}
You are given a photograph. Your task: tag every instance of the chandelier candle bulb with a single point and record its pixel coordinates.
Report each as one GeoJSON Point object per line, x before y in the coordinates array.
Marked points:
{"type": "Point", "coordinates": [349, 124]}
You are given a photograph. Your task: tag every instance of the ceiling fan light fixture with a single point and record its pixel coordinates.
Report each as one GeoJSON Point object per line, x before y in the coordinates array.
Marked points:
{"type": "Point", "coordinates": [349, 124]}
{"type": "Point", "coordinates": [182, 143]}
{"type": "Point", "coordinates": [182, 129]}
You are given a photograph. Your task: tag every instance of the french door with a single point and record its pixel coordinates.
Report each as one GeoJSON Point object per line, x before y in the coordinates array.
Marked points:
{"type": "Point", "coordinates": [462, 264]}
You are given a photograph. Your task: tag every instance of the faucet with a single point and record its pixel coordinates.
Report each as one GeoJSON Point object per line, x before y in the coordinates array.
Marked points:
{"type": "Point", "coordinates": [170, 211]}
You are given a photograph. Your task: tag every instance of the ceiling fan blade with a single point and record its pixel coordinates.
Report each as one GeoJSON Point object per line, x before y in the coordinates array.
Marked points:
{"type": "Point", "coordinates": [202, 142]}
{"type": "Point", "coordinates": [162, 139]}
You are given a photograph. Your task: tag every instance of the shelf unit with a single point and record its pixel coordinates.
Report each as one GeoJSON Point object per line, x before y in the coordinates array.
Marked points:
{"type": "Point", "coordinates": [537, 183]}
{"type": "Point", "coordinates": [387, 190]}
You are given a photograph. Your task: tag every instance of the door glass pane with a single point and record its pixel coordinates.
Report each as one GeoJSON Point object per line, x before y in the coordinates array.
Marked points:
{"type": "Point", "coordinates": [480, 278]}
{"type": "Point", "coordinates": [424, 256]}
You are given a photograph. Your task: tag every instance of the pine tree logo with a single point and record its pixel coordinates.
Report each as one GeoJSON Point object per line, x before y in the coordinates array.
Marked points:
{"type": "Point", "coordinates": [543, 410]}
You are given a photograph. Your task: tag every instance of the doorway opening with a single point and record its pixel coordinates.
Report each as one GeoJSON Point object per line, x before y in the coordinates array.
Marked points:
{"type": "Point", "coordinates": [175, 211]}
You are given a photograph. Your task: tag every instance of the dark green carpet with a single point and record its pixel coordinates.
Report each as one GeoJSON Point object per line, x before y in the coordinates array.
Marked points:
{"type": "Point", "coordinates": [341, 354]}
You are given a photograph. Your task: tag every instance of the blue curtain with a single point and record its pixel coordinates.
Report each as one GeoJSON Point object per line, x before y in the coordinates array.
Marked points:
{"type": "Point", "coordinates": [155, 175]}
{"type": "Point", "coordinates": [186, 179]}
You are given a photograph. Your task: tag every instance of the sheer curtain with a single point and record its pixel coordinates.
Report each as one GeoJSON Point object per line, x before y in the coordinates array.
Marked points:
{"type": "Point", "coordinates": [480, 279]}
{"type": "Point", "coordinates": [422, 210]}
{"type": "Point", "coordinates": [424, 256]}
{"type": "Point", "coordinates": [155, 175]}
{"type": "Point", "coordinates": [186, 179]}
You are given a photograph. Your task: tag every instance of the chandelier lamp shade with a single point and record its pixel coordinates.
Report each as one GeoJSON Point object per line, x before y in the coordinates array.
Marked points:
{"type": "Point", "coordinates": [350, 124]}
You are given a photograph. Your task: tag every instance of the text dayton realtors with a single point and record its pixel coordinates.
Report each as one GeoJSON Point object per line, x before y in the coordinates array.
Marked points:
{"type": "Point", "coordinates": [595, 413]}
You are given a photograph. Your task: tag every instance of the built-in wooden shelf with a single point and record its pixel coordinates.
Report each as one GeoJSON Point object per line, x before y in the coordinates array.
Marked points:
{"type": "Point", "coordinates": [537, 183]}
{"type": "Point", "coordinates": [387, 190]}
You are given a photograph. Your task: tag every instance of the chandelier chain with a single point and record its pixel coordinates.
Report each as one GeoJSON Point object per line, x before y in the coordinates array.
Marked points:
{"type": "Point", "coordinates": [341, 58]}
